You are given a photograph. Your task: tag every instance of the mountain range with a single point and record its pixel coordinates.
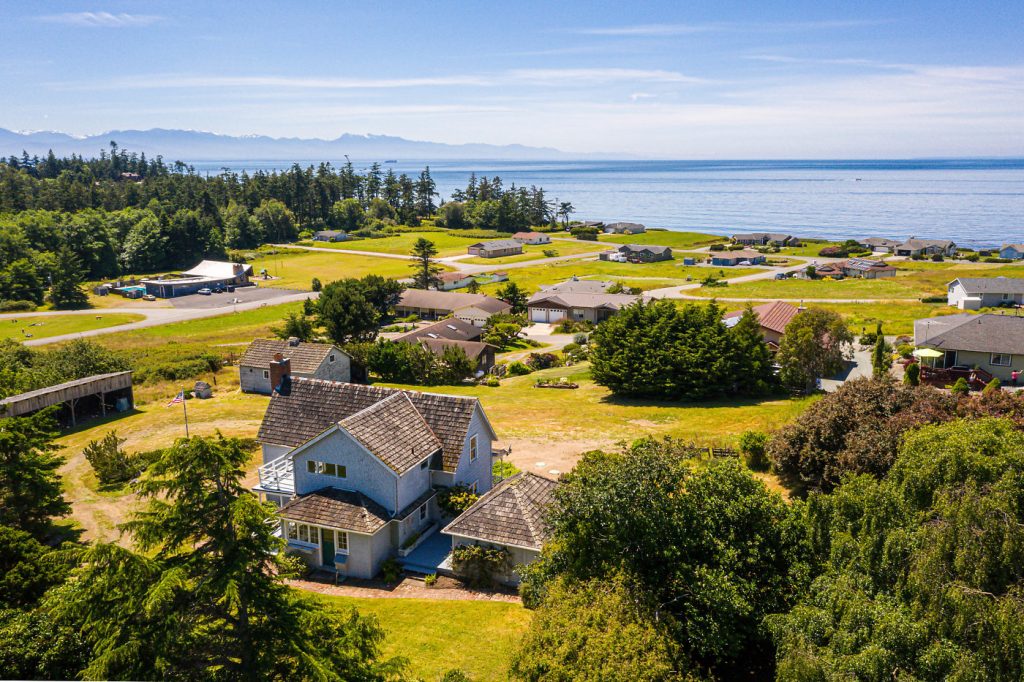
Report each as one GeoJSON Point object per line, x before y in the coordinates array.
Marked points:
{"type": "Point", "coordinates": [192, 145]}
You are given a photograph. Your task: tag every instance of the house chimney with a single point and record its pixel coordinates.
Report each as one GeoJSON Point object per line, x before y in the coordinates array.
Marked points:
{"type": "Point", "coordinates": [280, 369]}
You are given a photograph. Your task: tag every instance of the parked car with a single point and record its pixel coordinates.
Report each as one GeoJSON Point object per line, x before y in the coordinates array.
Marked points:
{"type": "Point", "coordinates": [218, 289]}
{"type": "Point", "coordinates": [149, 297]}
{"type": "Point", "coordinates": [204, 292]}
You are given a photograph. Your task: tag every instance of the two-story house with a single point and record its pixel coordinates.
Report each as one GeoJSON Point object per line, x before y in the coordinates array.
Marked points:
{"type": "Point", "coordinates": [356, 469]}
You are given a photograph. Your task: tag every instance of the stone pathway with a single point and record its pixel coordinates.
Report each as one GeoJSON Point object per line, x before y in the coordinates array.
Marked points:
{"type": "Point", "coordinates": [445, 589]}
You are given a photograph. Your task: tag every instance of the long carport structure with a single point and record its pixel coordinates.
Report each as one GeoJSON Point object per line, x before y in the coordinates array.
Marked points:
{"type": "Point", "coordinates": [108, 389]}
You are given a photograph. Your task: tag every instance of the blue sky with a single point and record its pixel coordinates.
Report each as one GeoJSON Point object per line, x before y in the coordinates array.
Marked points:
{"type": "Point", "coordinates": [796, 79]}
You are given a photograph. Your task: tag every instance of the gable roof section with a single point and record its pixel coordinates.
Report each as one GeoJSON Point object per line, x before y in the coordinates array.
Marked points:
{"type": "Point", "coordinates": [488, 305]}
{"type": "Point", "coordinates": [640, 248]}
{"type": "Point", "coordinates": [1015, 247]}
{"type": "Point", "coordinates": [394, 432]}
{"type": "Point", "coordinates": [774, 316]}
{"type": "Point", "coordinates": [497, 244]}
{"type": "Point", "coordinates": [574, 285]}
{"type": "Point", "coordinates": [978, 333]}
{"type": "Point", "coordinates": [314, 405]}
{"type": "Point", "coordinates": [512, 513]}
{"type": "Point", "coordinates": [915, 243]}
{"type": "Point", "coordinates": [572, 300]}
{"type": "Point", "coordinates": [441, 300]}
{"type": "Point", "coordinates": [337, 508]}
{"type": "Point", "coordinates": [472, 349]}
{"type": "Point", "coordinates": [991, 285]}
{"type": "Point", "coordinates": [305, 357]}
{"type": "Point", "coordinates": [451, 328]}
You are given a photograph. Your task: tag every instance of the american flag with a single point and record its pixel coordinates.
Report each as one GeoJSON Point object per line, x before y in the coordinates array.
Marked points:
{"type": "Point", "coordinates": [180, 398]}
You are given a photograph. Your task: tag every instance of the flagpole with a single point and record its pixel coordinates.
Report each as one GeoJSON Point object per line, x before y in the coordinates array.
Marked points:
{"type": "Point", "coordinates": [184, 408]}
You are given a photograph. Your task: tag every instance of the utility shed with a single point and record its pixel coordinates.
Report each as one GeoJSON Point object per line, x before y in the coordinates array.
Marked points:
{"type": "Point", "coordinates": [98, 392]}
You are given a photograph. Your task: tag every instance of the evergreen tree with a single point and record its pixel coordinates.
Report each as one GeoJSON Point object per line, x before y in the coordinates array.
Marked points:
{"type": "Point", "coordinates": [203, 596]}
{"type": "Point", "coordinates": [345, 313]}
{"type": "Point", "coordinates": [511, 293]}
{"type": "Point", "coordinates": [66, 292]}
{"type": "Point", "coordinates": [427, 271]}
{"type": "Point", "coordinates": [755, 374]}
{"type": "Point", "coordinates": [881, 359]}
{"type": "Point", "coordinates": [814, 346]}
{"type": "Point", "coordinates": [31, 493]}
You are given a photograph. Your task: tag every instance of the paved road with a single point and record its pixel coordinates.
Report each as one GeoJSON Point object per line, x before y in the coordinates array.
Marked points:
{"type": "Point", "coordinates": [154, 316]}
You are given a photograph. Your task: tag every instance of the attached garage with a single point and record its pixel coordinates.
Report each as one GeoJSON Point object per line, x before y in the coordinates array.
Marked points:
{"type": "Point", "coordinates": [538, 314]}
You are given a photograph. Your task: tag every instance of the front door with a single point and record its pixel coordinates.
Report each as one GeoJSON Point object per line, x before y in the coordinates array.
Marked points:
{"type": "Point", "coordinates": [327, 547]}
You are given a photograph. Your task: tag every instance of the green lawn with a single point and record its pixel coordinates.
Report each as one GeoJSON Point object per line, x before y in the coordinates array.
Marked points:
{"type": "Point", "coordinates": [677, 240]}
{"type": "Point", "coordinates": [591, 412]}
{"type": "Point", "coordinates": [447, 243]}
{"type": "Point", "coordinates": [297, 270]}
{"type": "Point", "coordinates": [663, 274]}
{"type": "Point", "coordinates": [912, 281]}
{"type": "Point", "coordinates": [477, 637]}
{"type": "Point", "coordinates": [807, 248]}
{"type": "Point", "coordinates": [22, 328]}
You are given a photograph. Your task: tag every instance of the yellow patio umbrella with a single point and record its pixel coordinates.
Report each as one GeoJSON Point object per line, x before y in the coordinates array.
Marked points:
{"type": "Point", "coordinates": [922, 353]}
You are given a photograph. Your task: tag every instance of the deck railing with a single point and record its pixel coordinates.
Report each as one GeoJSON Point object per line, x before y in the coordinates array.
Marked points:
{"type": "Point", "coordinates": [278, 475]}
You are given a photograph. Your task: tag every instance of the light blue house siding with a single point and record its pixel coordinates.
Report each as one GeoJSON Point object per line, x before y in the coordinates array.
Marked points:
{"type": "Point", "coordinates": [479, 470]}
{"type": "Point", "coordinates": [363, 472]}
{"type": "Point", "coordinates": [1011, 252]}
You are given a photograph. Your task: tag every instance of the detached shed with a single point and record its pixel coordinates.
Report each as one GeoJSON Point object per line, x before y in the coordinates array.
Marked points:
{"type": "Point", "coordinates": [81, 398]}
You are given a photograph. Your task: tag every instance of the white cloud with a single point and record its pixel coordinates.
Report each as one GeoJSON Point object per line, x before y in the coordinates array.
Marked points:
{"type": "Point", "coordinates": [593, 76]}
{"type": "Point", "coordinates": [719, 27]}
{"type": "Point", "coordinates": [102, 19]}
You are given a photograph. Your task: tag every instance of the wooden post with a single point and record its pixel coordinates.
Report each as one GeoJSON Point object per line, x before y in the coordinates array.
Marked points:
{"type": "Point", "coordinates": [103, 403]}
{"type": "Point", "coordinates": [71, 404]}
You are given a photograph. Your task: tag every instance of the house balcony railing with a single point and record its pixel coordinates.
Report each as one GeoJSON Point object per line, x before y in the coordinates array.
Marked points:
{"type": "Point", "coordinates": [277, 476]}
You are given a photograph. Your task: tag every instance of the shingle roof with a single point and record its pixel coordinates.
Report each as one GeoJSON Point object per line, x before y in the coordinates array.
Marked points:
{"type": "Point", "coordinates": [1015, 247]}
{"type": "Point", "coordinates": [741, 254]}
{"type": "Point", "coordinates": [636, 248]}
{"type": "Point", "coordinates": [313, 405]}
{"type": "Point", "coordinates": [337, 508]}
{"type": "Point", "coordinates": [305, 357]}
{"type": "Point", "coordinates": [450, 328]}
{"type": "Point", "coordinates": [512, 513]}
{"type": "Point", "coordinates": [992, 285]}
{"type": "Point", "coordinates": [394, 431]}
{"type": "Point", "coordinates": [866, 265]}
{"type": "Point", "coordinates": [472, 349]}
{"type": "Point", "coordinates": [578, 286]}
{"type": "Point", "coordinates": [498, 244]}
{"type": "Point", "coordinates": [489, 305]}
{"type": "Point", "coordinates": [979, 333]}
{"type": "Point", "coordinates": [774, 316]}
{"type": "Point", "coordinates": [527, 235]}
{"type": "Point", "coordinates": [618, 227]}
{"type": "Point", "coordinates": [573, 300]}
{"type": "Point", "coordinates": [440, 300]}
{"type": "Point", "coordinates": [880, 241]}
{"type": "Point", "coordinates": [915, 243]}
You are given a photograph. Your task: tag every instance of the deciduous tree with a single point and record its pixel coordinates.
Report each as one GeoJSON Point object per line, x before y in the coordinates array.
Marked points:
{"type": "Point", "coordinates": [815, 345]}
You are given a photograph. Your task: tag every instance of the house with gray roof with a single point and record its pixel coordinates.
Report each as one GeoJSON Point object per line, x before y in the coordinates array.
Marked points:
{"type": "Point", "coordinates": [555, 306]}
{"type": "Point", "coordinates": [623, 228]}
{"type": "Point", "coordinates": [511, 517]}
{"type": "Point", "coordinates": [974, 293]}
{"type": "Point", "coordinates": [640, 253]}
{"type": "Point", "coordinates": [428, 304]}
{"type": "Point", "coordinates": [495, 248]}
{"type": "Point", "coordinates": [1012, 251]}
{"type": "Point", "coordinates": [916, 248]}
{"type": "Point", "coordinates": [994, 343]}
{"type": "Point", "coordinates": [881, 244]}
{"type": "Point", "coordinates": [303, 359]}
{"type": "Point", "coordinates": [356, 469]}
{"type": "Point", "coordinates": [765, 239]}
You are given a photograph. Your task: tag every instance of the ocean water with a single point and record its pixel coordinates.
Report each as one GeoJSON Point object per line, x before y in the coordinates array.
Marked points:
{"type": "Point", "coordinates": [975, 202]}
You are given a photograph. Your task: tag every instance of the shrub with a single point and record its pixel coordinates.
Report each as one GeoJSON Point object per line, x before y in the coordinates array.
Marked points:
{"type": "Point", "coordinates": [970, 257]}
{"type": "Point", "coordinates": [110, 462]}
{"type": "Point", "coordinates": [543, 360]}
{"type": "Point", "coordinates": [550, 253]}
{"type": "Point", "coordinates": [753, 448]}
{"type": "Point", "coordinates": [430, 580]}
{"type": "Point", "coordinates": [480, 566]}
{"type": "Point", "coordinates": [575, 352]}
{"type": "Point", "coordinates": [991, 387]}
{"type": "Point", "coordinates": [502, 470]}
{"type": "Point", "coordinates": [390, 571]}
{"type": "Point", "coordinates": [518, 369]}
{"type": "Point", "coordinates": [960, 387]}
{"type": "Point", "coordinates": [492, 382]}
{"type": "Point", "coordinates": [17, 306]}
{"type": "Point", "coordinates": [316, 285]}
{"type": "Point", "coordinates": [832, 252]}
{"type": "Point", "coordinates": [567, 326]}
{"type": "Point", "coordinates": [937, 257]}
{"type": "Point", "coordinates": [934, 299]}
{"type": "Point", "coordinates": [716, 247]}
{"type": "Point", "coordinates": [456, 499]}
{"type": "Point", "coordinates": [912, 375]}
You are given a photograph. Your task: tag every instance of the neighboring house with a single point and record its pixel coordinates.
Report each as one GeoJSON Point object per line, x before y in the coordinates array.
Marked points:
{"type": "Point", "coordinates": [765, 239]}
{"type": "Point", "coordinates": [926, 247]}
{"type": "Point", "coordinates": [207, 275]}
{"type": "Point", "coordinates": [448, 328]}
{"type": "Point", "coordinates": [434, 305]}
{"type": "Point", "coordinates": [856, 267]}
{"type": "Point", "coordinates": [266, 360]}
{"type": "Point", "coordinates": [730, 258]}
{"type": "Point", "coordinates": [356, 469]}
{"type": "Point", "coordinates": [640, 253]}
{"type": "Point", "coordinates": [575, 285]}
{"type": "Point", "coordinates": [496, 248]}
{"type": "Point", "coordinates": [479, 353]}
{"type": "Point", "coordinates": [624, 228]}
{"type": "Point", "coordinates": [994, 343]}
{"type": "Point", "coordinates": [532, 238]}
{"type": "Point", "coordinates": [1012, 251]}
{"type": "Point", "coordinates": [880, 244]}
{"type": "Point", "coordinates": [974, 293]}
{"type": "Point", "coordinates": [330, 236]}
{"type": "Point", "coordinates": [509, 517]}
{"type": "Point", "coordinates": [773, 318]}
{"type": "Point", "coordinates": [454, 280]}
{"type": "Point", "coordinates": [554, 306]}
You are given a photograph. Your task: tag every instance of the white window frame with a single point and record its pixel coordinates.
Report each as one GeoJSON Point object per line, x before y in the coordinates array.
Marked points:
{"type": "Point", "coordinates": [320, 468]}
{"type": "Point", "coordinates": [424, 463]}
{"type": "Point", "coordinates": [472, 487]}
{"type": "Point", "coordinates": [472, 448]}
{"type": "Point", "coordinates": [341, 538]}
{"type": "Point", "coordinates": [266, 374]}
{"type": "Point", "coordinates": [423, 512]}
{"type": "Point", "coordinates": [1007, 297]}
{"type": "Point", "coordinates": [1008, 358]}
